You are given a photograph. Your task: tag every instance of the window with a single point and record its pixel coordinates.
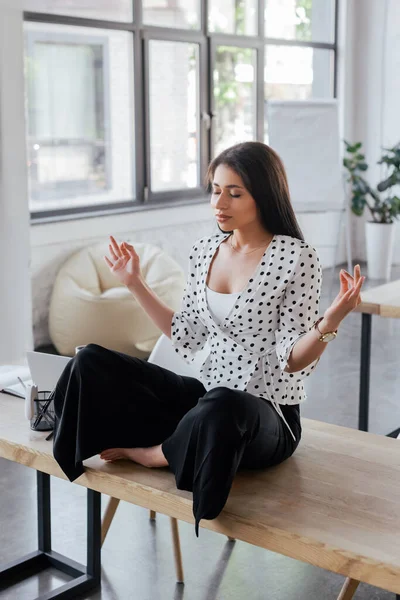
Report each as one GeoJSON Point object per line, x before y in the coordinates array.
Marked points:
{"type": "Point", "coordinates": [128, 101]}
{"type": "Point", "coordinates": [180, 14]}
{"type": "Point", "coordinates": [79, 116]}
{"type": "Point", "coordinates": [234, 96]}
{"type": "Point", "coordinates": [174, 130]}
{"type": "Point", "coordinates": [233, 16]}
{"type": "Point", "coordinates": [298, 73]}
{"type": "Point", "coordinates": [303, 20]}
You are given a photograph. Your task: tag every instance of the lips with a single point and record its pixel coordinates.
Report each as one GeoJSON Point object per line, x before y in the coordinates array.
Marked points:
{"type": "Point", "coordinates": [222, 217]}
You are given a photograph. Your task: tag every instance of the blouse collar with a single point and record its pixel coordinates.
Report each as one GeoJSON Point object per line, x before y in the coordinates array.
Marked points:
{"type": "Point", "coordinates": [248, 291]}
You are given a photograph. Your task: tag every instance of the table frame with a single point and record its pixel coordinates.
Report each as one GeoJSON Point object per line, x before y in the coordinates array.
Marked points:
{"type": "Point", "coordinates": [85, 578]}
{"type": "Point", "coordinates": [365, 372]}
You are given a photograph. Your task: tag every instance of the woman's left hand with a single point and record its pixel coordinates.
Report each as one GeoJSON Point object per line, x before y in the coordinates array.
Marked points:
{"type": "Point", "coordinates": [347, 299]}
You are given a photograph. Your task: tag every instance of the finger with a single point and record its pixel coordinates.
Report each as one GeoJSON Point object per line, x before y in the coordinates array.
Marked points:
{"type": "Point", "coordinates": [357, 288]}
{"type": "Point", "coordinates": [357, 273]}
{"type": "Point", "coordinates": [112, 252]}
{"type": "Point", "coordinates": [348, 276]}
{"type": "Point", "coordinates": [131, 250]}
{"type": "Point", "coordinates": [121, 263]}
{"type": "Point", "coordinates": [124, 249]}
{"type": "Point", "coordinates": [115, 246]}
{"type": "Point", "coordinates": [349, 281]}
{"type": "Point", "coordinates": [343, 282]}
{"type": "Point", "coordinates": [108, 261]}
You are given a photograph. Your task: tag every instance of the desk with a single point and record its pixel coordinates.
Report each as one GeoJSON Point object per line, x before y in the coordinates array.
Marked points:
{"type": "Point", "coordinates": [384, 301]}
{"type": "Point", "coordinates": [334, 504]}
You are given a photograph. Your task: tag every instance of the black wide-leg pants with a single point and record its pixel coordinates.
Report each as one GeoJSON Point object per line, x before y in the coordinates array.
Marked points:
{"type": "Point", "coordinates": [106, 399]}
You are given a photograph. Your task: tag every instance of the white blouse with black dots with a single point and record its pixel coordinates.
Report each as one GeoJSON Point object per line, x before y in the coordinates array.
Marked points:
{"type": "Point", "coordinates": [250, 347]}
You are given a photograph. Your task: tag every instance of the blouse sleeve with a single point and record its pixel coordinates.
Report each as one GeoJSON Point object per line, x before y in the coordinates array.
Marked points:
{"type": "Point", "coordinates": [299, 310]}
{"type": "Point", "coordinates": [188, 332]}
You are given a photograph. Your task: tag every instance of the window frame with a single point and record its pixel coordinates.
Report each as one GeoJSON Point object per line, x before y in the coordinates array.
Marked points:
{"type": "Point", "coordinates": [145, 198]}
{"type": "Point", "coordinates": [147, 37]}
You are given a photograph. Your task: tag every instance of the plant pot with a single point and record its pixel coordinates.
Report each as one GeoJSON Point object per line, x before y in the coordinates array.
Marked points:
{"type": "Point", "coordinates": [380, 242]}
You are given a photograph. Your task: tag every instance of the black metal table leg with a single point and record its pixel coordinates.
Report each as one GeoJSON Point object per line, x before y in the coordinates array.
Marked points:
{"type": "Point", "coordinates": [44, 511]}
{"type": "Point", "coordinates": [363, 407]}
{"type": "Point", "coordinates": [84, 578]}
{"type": "Point", "coordinates": [94, 535]}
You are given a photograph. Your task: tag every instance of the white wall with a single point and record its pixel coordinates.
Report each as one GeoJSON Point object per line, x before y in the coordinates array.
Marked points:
{"type": "Point", "coordinates": [373, 92]}
{"type": "Point", "coordinates": [15, 294]}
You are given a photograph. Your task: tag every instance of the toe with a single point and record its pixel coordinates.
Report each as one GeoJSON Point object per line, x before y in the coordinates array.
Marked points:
{"type": "Point", "coordinates": [109, 453]}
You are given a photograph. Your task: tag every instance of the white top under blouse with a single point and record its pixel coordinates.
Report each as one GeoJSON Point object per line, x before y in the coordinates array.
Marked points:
{"type": "Point", "coordinates": [219, 304]}
{"type": "Point", "coordinates": [249, 341]}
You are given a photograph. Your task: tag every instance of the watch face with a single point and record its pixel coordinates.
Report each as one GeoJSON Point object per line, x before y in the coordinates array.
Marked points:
{"type": "Point", "coordinates": [328, 337]}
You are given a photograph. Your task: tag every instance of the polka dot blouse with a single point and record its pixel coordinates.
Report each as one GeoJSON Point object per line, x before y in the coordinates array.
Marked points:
{"type": "Point", "coordinates": [250, 348]}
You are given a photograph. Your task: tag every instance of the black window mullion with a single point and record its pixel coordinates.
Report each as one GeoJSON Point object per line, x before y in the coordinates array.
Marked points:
{"type": "Point", "coordinates": [55, 19]}
{"type": "Point", "coordinates": [204, 5]}
{"type": "Point", "coordinates": [335, 59]}
{"type": "Point", "coordinates": [299, 43]}
{"type": "Point", "coordinates": [260, 100]}
{"type": "Point", "coordinates": [204, 108]}
{"type": "Point", "coordinates": [146, 118]}
{"type": "Point", "coordinates": [172, 35]}
{"type": "Point", "coordinates": [260, 19]}
{"type": "Point", "coordinates": [260, 74]}
{"type": "Point", "coordinates": [139, 118]}
{"type": "Point", "coordinates": [137, 12]}
{"type": "Point", "coordinates": [240, 41]}
{"type": "Point", "coordinates": [212, 51]}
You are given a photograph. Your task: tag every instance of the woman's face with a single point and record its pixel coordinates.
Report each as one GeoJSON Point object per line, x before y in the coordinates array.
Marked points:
{"type": "Point", "coordinates": [233, 205]}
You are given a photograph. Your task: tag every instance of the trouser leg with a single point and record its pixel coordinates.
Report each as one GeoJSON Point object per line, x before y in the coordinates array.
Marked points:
{"type": "Point", "coordinates": [108, 399]}
{"type": "Point", "coordinates": [225, 430]}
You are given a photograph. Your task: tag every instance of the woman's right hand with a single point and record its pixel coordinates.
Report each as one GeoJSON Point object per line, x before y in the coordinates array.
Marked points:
{"type": "Point", "coordinates": [124, 263]}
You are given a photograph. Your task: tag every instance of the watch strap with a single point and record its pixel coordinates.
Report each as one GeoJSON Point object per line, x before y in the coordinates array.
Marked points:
{"type": "Point", "coordinates": [328, 334]}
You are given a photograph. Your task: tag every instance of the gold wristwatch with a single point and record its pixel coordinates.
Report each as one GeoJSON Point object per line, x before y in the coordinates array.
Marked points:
{"type": "Point", "coordinates": [325, 337]}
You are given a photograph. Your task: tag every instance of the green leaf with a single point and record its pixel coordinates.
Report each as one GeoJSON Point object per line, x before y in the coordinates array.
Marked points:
{"type": "Point", "coordinates": [392, 180]}
{"type": "Point", "coordinates": [353, 148]}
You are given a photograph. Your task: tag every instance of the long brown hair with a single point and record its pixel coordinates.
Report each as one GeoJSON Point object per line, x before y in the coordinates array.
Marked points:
{"type": "Point", "coordinates": [264, 176]}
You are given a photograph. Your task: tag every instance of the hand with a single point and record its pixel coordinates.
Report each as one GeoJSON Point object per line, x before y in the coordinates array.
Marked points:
{"type": "Point", "coordinates": [124, 263]}
{"type": "Point", "coordinates": [346, 300]}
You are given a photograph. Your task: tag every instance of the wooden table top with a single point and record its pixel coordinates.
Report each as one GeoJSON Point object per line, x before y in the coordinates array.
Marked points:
{"type": "Point", "coordinates": [383, 300]}
{"type": "Point", "coordinates": [334, 504]}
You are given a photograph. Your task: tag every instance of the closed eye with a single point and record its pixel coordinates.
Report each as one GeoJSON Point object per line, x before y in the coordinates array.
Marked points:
{"type": "Point", "coordinates": [218, 192]}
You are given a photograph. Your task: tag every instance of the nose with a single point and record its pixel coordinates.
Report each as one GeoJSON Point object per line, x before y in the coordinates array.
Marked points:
{"type": "Point", "coordinates": [220, 201]}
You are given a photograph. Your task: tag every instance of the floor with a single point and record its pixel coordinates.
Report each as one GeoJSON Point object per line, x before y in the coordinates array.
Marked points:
{"type": "Point", "coordinates": [137, 556]}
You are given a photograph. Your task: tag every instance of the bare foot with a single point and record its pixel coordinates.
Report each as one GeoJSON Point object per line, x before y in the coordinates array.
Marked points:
{"type": "Point", "coordinates": [148, 457]}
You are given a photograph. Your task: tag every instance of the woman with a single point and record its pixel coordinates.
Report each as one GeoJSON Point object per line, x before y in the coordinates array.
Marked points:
{"type": "Point", "coordinates": [251, 303]}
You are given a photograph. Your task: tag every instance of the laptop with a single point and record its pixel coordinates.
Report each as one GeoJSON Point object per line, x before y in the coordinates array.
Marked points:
{"type": "Point", "coordinates": [46, 369]}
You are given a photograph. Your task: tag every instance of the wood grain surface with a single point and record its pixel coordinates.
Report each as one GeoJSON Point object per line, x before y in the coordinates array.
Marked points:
{"type": "Point", "coordinates": [383, 300]}
{"type": "Point", "coordinates": [334, 504]}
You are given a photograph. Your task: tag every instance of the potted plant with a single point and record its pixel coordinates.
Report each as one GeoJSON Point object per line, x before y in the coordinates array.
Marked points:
{"type": "Point", "coordinates": [383, 205]}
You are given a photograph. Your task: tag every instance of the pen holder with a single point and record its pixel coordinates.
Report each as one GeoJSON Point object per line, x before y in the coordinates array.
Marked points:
{"type": "Point", "coordinates": [43, 419]}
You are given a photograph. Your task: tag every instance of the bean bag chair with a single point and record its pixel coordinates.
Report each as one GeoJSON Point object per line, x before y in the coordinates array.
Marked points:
{"type": "Point", "coordinates": [89, 305]}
